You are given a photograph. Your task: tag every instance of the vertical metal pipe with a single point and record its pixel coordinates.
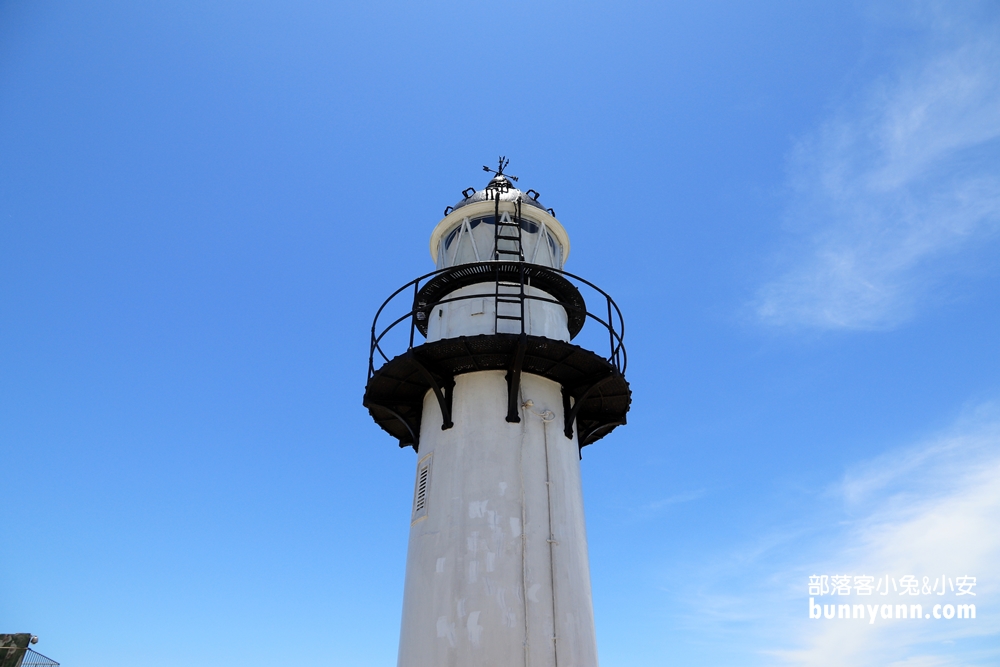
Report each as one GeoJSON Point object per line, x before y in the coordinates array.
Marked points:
{"type": "Point", "coordinates": [413, 311]}
{"type": "Point", "coordinates": [611, 333]}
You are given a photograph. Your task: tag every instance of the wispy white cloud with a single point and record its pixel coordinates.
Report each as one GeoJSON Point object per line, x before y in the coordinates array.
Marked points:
{"type": "Point", "coordinates": [930, 509]}
{"type": "Point", "coordinates": [658, 507]}
{"type": "Point", "coordinates": [927, 509]}
{"type": "Point", "coordinates": [940, 462]}
{"type": "Point", "coordinates": [674, 500]}
{"type": "Point", "coordinates": [895, 192]}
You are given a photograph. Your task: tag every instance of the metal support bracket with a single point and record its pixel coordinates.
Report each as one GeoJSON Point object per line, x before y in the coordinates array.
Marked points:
{"type": "Point", "coordinates": [414, 434]}
{"type": "Point", "coordinates": [514, 379]}
{"type": "Point", "coordinates": [443, 395]}
{"type": "Point", "coordinates": [588, 437]}
{"type": "Point", "coordinates": [568, 409]}
{"type": "Point", "coordinates": [570, 414]}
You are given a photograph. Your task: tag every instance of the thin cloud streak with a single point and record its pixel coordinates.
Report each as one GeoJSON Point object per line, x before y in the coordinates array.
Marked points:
{"type": "Point", "coordinates": [658, 507]}
{"type": "Point", "coordinates": [891, 195]}
{"type": "Point", "coordinates": [940, 462]}
{"type": "Point", "coordinates": [928, 509]}
{"type": "Point", "coordinates": [936, 511]}
{"type": "Point", "coordinates": [674, 500]}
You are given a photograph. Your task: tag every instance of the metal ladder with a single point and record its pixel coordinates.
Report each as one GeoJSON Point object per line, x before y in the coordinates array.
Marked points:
{"type": "Point", "coordinates": [509, 233]}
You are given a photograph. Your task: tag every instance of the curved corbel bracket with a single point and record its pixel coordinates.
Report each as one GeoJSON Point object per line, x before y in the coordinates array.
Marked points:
{"type": "Point", "coordinates": [588, 438]}
{"type": "Point", "coordinates": [514, 379]}
{"type": "Point", "coordinates": [570, 413]}
{"type": "Point", "coordinates": [443, 394]}
{"type": "Point", "coordinates": [414, 433]}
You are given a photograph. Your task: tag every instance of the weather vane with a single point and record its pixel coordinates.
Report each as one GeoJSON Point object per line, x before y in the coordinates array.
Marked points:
{"type": "Point", "coordinates": [501, 165]}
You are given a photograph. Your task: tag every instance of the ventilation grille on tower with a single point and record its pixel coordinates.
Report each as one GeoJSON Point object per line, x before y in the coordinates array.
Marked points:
{"type": "Point", "coordinates": [420, 492]}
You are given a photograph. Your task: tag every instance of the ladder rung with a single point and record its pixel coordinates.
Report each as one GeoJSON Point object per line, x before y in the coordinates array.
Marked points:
{"type": "Point", "coordinates": [509, 317]}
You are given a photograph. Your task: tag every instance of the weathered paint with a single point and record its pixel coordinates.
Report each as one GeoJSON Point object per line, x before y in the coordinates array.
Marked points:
{"type": "Point", "coordinates": [497, 573]}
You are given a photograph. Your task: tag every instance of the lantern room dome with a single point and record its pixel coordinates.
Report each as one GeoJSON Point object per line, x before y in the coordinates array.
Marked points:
{"type": "Point", "coordinates": [467, 233]}
{"type": "Point", "coordinates": [500, 188]}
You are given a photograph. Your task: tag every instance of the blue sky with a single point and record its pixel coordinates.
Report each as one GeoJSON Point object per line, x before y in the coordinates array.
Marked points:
{"type": "Point", "coordinates": [796, 205]}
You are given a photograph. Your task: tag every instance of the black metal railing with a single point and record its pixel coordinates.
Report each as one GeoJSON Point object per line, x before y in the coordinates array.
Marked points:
{"type": "Point", "coordinates": [416, 312]}
{"type": "Point", "coordinates": [24, 657]}
{"type": "Point", "coordinates": [34, 659]}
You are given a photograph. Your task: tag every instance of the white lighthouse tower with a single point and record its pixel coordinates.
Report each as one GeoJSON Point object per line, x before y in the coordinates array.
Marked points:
{"type": "Point", "coordinates": [497, 402]}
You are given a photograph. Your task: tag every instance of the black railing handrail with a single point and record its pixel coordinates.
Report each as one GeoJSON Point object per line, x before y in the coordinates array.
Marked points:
{"type": "Point", "coordinates": [617, 355]}
{"type": "Point", "coordinates": [615, 341]}
{"type": "Point", "coordinates": [30, 657]}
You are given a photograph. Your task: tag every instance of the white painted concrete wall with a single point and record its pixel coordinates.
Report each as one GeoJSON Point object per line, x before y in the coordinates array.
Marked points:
{"type": "Point", "coordinates": [475, 316]}
{"type": "Point", "coordinates": [497, 571]}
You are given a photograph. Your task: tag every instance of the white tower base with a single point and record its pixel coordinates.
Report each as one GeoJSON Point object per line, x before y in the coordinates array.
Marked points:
{"type": "Point", "coordinates": [497, 570]}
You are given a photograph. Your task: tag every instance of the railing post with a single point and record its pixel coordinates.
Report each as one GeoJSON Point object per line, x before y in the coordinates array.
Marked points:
{"type": "Point", "coordinates": [611, 333]}
{"type": "Point", "coordinates": [521, 268]}
{"type": "Point", "coordinates": [413, 312]}
{"type": "Point", "coordinates": [371, 349]}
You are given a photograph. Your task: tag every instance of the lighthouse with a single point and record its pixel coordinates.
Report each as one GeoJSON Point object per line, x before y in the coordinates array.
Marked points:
{"type": "Point", "coordinates": [477, 367]}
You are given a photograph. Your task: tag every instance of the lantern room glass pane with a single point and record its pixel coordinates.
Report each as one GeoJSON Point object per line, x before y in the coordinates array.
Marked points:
{"type": "Point", "coordinates": [472, 240]}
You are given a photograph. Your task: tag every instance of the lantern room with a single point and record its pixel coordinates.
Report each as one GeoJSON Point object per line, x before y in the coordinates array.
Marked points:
{"type": "Point", "coordinates": [499, 299]}
{"type": "Point", "coordinates": [468, 233]}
